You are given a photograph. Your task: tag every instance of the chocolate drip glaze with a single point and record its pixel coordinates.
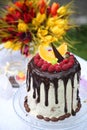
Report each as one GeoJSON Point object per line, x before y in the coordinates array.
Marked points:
{"type": "Point", "coordinates": [40, 76]}
{"type": "Point", "coordinates": [46, 87]}
{"type": "Point", "coordinates": [72, 83]}
{"type": "Point", "coordinates": [65, 80]}
{"type": "Point", "coordinates": [56, 92]}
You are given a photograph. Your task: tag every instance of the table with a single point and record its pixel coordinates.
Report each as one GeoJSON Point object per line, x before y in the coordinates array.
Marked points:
{"type": "Point", "coordinates": [8, 118]}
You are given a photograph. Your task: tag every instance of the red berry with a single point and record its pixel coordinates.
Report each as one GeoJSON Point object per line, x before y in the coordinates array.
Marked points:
{"type": "Point", "coordinates": [72, 61]}
{"type": "Point", "coordinates": [70, 64]}
{"type": "Point", "coordinates": [49, 64]}
{"type": "Point", "coordinates": [55, 65]}
{"type": "Point", "coordinates": [58, 68]}
{"type": "Point", "coordinates": [37, 56]}
{"type": "Point", "coordinates": [41, 60]}
{"type": "Point", "coordinates": [65, 67]}
{"type": "Point", "coordinates": [71, 57]}
{"type": "Point", "coordinates": [36, 61]}
{"type": "Point", "coordinates": [65, 61]}
{"type": "Point", "coordinates": [61, 63]}
{"type": "Point", "coordinates": [68, 53]}
{"type": "Point", "coordinates": [45, 62]}
{"type": "Point", "coordinates": [51, 68]}
{"type": "Point", "coordinates": [39, 64]}
{"type": "Point", "coordinates": [44, 67]}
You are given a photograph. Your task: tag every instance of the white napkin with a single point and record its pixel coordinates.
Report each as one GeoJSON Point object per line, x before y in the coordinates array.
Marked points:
{"type": "Point", "coordinates": [6, 90]}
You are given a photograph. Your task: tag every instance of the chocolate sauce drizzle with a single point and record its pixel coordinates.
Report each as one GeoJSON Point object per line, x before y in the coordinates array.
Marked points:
{"type": "Point", "coordinates": [39, 77]}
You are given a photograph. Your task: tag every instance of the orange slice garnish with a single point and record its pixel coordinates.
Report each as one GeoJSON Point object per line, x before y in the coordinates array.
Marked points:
{"type": "Point", "coordinates": [49, 55]}
{"type": "Point", "coordinates": [62, 49]}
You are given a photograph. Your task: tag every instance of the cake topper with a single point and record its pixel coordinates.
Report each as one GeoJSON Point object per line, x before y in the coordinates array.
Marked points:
{"type": "Point", "coordinates": [56, 53]}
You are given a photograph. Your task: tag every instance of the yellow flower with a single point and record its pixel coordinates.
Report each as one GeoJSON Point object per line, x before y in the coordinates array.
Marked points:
{"type": "Point", "coordinates": [22, 27]}
{"type": "Point", "coordinates": [17, 46]}
{"type": "Point", "coordinates": [41, 32]}
{"type": "Point", "coordinates": [65, 10]}
{"type": "Point", "coordinates": [58, 31]}
{"type": "Point", "coordinates": [61, 23]}
{"type": "Point", "coordinates": [62, 10]}
{"type": "Point", "coordinates": [50, 21]}
{"type": "Point", "coordinates": [11, 45]}
{"type": "Point", "coordinates": [48, 39]}
{"type": "Point", "coordinates": [8, 45]}
{"type": "Point", "coordinates": [39, 19]}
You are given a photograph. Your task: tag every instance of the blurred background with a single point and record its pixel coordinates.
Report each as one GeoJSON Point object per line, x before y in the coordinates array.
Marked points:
{"type": "Point", "coordinates": [80, 34]}
{"type": "Point", "coordinates": [80, 18]}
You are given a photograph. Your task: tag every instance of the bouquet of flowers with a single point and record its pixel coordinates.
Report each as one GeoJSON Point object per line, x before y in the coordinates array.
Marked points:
{"type": "Point", "coordinates": [26, 24]}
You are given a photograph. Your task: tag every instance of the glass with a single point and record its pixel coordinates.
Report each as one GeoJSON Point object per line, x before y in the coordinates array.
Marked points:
{"type": "Point", "coordinates": [13, 63]}
{"type": "Point", "coordinates": [6, 90]}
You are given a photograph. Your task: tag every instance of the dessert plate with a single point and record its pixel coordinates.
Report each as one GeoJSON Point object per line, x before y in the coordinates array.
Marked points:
{"type": "Point", "coordinates": [37, 124]}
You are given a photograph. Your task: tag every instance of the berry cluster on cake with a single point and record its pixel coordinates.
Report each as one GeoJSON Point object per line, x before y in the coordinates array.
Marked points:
{"type": "Point", "coordinates": [53, 89]}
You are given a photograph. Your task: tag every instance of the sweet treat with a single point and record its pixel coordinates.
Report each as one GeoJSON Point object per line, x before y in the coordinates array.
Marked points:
{"type": "Point", "coordinates": [53, 74]}
{"type": "Point", "coordinates": [53, 88]}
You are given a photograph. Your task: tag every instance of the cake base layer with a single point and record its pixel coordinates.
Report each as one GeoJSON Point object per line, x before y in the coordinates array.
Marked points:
{"type": "Point", "coordinates": [54, 119]}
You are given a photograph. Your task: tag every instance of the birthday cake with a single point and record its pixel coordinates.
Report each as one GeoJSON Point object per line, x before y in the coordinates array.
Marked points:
{"type": "Point", "coordinates": [53, 89]}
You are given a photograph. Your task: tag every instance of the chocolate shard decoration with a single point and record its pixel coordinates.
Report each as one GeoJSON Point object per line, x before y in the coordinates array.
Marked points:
{"type": "Point", "coordinates": [56, 53]}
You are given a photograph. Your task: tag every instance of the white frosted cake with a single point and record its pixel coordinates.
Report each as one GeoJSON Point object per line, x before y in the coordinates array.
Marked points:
{"type": "Point", "coordinates": [53, 90]}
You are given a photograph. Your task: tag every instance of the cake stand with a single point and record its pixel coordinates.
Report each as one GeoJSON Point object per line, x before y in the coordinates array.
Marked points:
{"type": "Point", "coordinates": [36, 124]}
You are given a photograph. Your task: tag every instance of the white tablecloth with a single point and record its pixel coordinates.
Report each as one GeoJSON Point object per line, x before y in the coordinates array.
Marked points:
{"type": "Point", "coordinates": [8, 118]}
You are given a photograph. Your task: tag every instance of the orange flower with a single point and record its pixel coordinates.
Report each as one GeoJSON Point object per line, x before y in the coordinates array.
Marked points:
{"type": "Point", "coordinates": [42, 6]}
{"type": "Point", "coordinates": [18, 4]}
{"type": "Point", "coordinates": [54, 8]}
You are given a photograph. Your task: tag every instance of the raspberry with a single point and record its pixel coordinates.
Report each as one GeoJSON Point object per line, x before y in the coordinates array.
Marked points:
{"type": "Point", "coordinates": [36, 61]}
{"type": "Point", "coordinates": [72, 61]}
{"type": "Point", "coordinates": [39, 64]}
{"type": "Point", "coordinates": [41, 60]}
{"type": "Point", "coordinates": [55, 65]}
{"type": "Point", "coordinates": [37, 56]}
{"type": "Point", "coordinates": [44, 67]}
{"type": "Point", "coordinates": [61, 63]}
{"type": "Point", "coordinates": [51, 68]}
{"type": "Point", "coordinates": [71, 57]}
{"type": "Point", "coordinates": [45, 62]}
{"type": "Point", "coordinates": [58, 68]}
{"type": "Point", "coordinates": [65, 67]}
{"type": "Point", "coordinates": [68, 53]}
{"type": "Point", "coordinates": [65, 61]}
{"type": "Point", "coordinates": [49, 64]}
{"type": "Point", "coordinates": [70, 64]}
